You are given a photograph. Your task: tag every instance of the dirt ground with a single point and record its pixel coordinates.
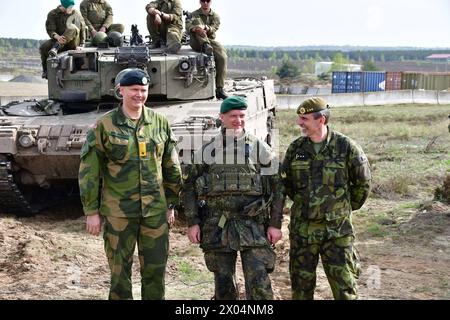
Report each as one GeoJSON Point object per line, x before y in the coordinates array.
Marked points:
{"type": "Point", "coordinates": [49, 256]}
{"type": "Point", "coordinates": [22, 89]}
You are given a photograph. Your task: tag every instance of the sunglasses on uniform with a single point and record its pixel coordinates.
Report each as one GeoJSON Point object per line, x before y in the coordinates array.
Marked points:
{"type": "Point", "coordinates": [207, 1]}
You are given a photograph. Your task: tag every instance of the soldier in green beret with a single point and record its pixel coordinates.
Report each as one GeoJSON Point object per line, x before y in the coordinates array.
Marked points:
{"type": "Point", "coordinates": [202, 29]}
{"type": "Point", "coordinates": [165, 24]}
{"type": "Point", "coordinates": [130, 178]}
{"type": "Point", "coordinates": [327, 176]}
{"type": "Point", "coordinates": [98, 16]}
{"type": "Point", "coordinates": [233, 203]}
{"type": "Point", "coordinates": [65, 26]}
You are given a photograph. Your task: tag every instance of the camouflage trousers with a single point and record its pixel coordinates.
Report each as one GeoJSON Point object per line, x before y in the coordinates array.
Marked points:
{"type": "Point", "coordinates": [257, 263]}
{"type": "Point", "coordinates": [340, 262]}
{"type": "Point", "coordinates": [152, 237]}
{"type": "Point", "coordinates": [166, 32]}
{"type": "Point", "coordinates": [220, 56]}
{"type": "Point", "coordinates": [72, 35]}
{"type": "Point", "coordinates": [117, 27]}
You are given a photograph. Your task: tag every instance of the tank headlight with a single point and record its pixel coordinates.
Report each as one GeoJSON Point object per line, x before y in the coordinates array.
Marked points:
{"type": "Point", "coordinates": [26, 141]}
{"type": "Point", "coordinates": [185, 66]}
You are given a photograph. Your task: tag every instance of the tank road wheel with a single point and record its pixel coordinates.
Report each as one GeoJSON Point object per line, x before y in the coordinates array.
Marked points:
{"type": "Point", "coordinates": [12, 200]}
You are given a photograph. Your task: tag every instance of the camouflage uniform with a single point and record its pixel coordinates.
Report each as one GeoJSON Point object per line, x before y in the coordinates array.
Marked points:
{"type": "Point", "coordinates": [169, 32]}
{"type": "Point", "coordinates": [211, 20]}
{"type": "Point", "coordinates": [231, 202]}
{"type": "Point", "coordinates": [71, 26]}
{"type": "Point", "coordinates": [325, 188]}
{"type": "Point", "coordinates": [140, 174]}
{"type": "Point", "coordinates": [98, 14]}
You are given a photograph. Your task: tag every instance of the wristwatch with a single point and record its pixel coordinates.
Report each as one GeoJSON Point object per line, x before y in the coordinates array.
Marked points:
{"type": "Point", "coordinates": [171, 206]}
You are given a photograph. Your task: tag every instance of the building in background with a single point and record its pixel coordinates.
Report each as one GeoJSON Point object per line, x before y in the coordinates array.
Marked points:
{"type": "Point", "coordinates": [325, 67]}
{"type": "Point", "coordinates": [440, 58]}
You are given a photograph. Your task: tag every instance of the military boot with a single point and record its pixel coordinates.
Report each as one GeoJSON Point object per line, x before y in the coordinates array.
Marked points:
{"type": "Point", "coordinates": [207, 49]}
{"type": "Point", "coordinates": [174, 47]}
{"type": "Point", "coordinates": [155, 45]}
{"type": "Point", "coordinates": [54, 50]}
{"type": "Point", "coordinates": [44, 75]}
{"type": "Point", "coordinates": [220, 94]}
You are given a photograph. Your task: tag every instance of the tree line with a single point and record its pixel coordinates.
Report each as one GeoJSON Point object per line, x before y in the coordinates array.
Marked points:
{"type": "Point", "coordinates": [14, 43]}
{"type": "Point", "coordinates": [328, 55]}
{"type": "Point", "coordinates": [293, 53]}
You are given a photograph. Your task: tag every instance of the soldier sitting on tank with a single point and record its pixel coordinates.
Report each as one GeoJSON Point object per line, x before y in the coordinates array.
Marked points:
{"type": "Point", "coordinates": [164, 23]}
{"type": "Point", "coordinates": [98, 16]}
{"type": "Point", "coordinates": [202, 29]}
{"type": "Point", "coordinates": [65, 26]}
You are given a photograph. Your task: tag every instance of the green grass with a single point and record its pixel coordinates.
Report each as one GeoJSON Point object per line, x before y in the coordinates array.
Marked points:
{"type": "Point", "coordinates": [190, 274]}
{"type": "Point", "coordinates": [408, 149]}
{"type": "Point", "coordinates": [376, 230]}
{"type": "Point", "coordinates": [407, 145]}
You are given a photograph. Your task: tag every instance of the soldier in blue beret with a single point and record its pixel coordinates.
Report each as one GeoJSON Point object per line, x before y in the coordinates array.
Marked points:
{"type": "Point", "coordinates": [130, 178]}
{"type": "Point", "coordinates": [233, 203]}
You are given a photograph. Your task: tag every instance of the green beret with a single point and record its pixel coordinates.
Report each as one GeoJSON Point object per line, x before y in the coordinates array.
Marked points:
{"type": "Point", "coordinates": [233, 103]}
{"type": "Point", "coordinates": [67, 3]}
{"type": "Point", "coordinates": [133, 76]}
{"type": "Point", "coordinates": [312, 105]}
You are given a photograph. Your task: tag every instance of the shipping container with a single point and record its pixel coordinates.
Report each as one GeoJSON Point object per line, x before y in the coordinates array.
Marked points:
{"type": "Point", "coordinates": [374, 81]}
{"type": "Point", "coordinates": [393, 81]}
{"type": "Point", "coordinates": [434, 81]}
{"type": "Point", "coordinates": [354, 82]}
{"type": "Point", "coordinates": [425, 81]}
{"type": "Point", "coordinates": [339, 82]}
{"type": "Point", "coordinates": [410, 80]}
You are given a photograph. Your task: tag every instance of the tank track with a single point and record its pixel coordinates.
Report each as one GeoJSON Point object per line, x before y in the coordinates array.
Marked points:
{"type": "Point", "coordinates": [11, 198]}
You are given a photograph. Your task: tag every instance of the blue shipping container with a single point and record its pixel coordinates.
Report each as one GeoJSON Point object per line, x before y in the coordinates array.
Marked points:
{"type": "Point", "coordinates": [354, 82]}
{"type": "Point", "coordinates": [374, 81]}
{"type": "Point", "coordinates": [339, 82]}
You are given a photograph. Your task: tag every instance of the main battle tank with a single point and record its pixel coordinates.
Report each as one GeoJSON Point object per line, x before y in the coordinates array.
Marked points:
{"type": "Point", "coordinates": [40, 141]}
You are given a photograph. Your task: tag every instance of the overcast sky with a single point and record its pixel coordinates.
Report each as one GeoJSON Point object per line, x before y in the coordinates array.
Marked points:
{"type": "Point", "coordinates": [417, 23]}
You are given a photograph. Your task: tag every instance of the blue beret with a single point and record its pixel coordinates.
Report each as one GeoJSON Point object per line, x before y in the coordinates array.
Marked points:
{"type": "Point", "coordinates": [134, 77]}
{"type": "Point", "coordinates": [233, 103]}
{"type": "Point", "coordinates": [67, 3]}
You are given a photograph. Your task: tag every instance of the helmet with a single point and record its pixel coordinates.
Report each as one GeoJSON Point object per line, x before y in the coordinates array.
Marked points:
{"type": "Point", "coordinates": [115, 39]}
{"type": "Point", "coordinates": [99, 37]}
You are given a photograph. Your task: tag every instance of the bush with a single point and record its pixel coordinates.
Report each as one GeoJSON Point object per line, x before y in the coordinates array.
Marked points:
{"type": "Point", "coordinates": [288, 70]}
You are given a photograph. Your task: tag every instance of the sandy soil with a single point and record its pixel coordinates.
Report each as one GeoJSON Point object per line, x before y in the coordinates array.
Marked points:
{"type": "Point", "coordinates": [19, 89]}
{"type": "Point", "coordinates": [49, 256]}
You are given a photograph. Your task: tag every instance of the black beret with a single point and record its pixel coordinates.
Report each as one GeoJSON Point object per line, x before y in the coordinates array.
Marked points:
{"type": "Point", "coordinates": [134, 77]}
{"type": "Point", "coordinates": [233, 103]}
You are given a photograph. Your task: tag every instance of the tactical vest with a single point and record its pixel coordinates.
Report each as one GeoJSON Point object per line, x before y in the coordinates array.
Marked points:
{"type": "Point", "coordinates": [230, 179]}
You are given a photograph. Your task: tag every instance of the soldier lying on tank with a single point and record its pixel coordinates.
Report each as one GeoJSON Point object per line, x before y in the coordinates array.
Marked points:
{"type": "Point", "coordinates": [165, 24]}
{"type": "Point", "coordinates": [326, 175]}
{"type": "Point", "coordinates": [233, 203]}
{"type": "Point", "coordinates": [98, 16]}
{"type": "Point", "coordinates": [202, 28]}
{"type": "Point", "coordinates": [66, 29]}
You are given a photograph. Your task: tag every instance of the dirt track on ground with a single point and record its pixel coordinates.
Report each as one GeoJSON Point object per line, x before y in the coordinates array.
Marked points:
{"type": "Point", "coordinates": [49, 256]}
